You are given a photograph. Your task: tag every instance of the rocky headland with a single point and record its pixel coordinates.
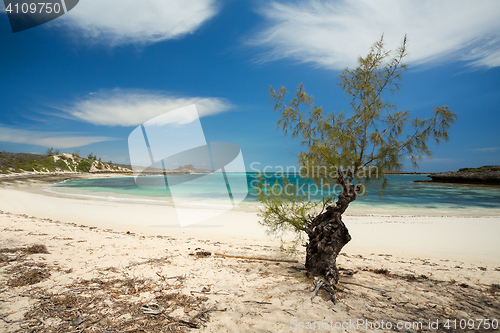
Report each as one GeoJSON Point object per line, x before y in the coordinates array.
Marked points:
{"type": "Point", "coordinates": [488, 175]}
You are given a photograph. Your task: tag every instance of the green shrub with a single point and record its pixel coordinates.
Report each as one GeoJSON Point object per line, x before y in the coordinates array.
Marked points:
{"type": "Point", "coordinates": [84, 166]}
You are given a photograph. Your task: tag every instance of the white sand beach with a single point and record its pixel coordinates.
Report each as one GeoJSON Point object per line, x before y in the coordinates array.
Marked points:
{"type": "Point", "coordinates": [423, 268]}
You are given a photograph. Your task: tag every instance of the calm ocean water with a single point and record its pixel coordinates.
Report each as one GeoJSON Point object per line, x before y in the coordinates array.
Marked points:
{"type": "Point", "coordinates": [402, 193]}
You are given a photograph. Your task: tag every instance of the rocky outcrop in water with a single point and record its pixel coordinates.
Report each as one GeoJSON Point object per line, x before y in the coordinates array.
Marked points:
{"type": "Point", "coordinates": [489, 174]}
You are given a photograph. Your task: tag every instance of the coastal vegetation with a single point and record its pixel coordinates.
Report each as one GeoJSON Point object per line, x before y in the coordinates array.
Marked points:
{"type": "Point", "coordinates": [54, 161]}
{"type": "Point", "coordinates": [487, 175]}
{"type": "Point", "coordinates": [346, 150]}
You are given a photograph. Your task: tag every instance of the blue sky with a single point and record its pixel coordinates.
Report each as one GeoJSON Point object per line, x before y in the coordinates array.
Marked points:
{"type": "Point", "coordinates": [87, 79]}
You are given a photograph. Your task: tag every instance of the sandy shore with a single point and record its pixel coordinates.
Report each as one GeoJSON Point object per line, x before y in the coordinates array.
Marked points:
{"type": "Point", "coordinates": [120, 267]}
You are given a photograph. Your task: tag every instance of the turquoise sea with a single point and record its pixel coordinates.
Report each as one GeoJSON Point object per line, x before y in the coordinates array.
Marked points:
{"type": "Point", "coordinates": [403, 193]}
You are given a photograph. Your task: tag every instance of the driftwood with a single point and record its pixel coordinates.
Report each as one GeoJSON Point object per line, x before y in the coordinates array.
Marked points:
{"type": "Point", "coordinates": [152, 308]}
{"type": "Point", "coordinates": [254, 258]}
{"type": "Point", "coordinates": [12, 321]}
{"type": "Point", "coordinates": [203, 312]}
{"type": "Point", "coordinates": [36, 296]}
{"type": "Point", "coordinates": [77, 290]}
{"type": "Point", "coordinates": [258, 302]}
{"type": "Point", "coordinates": [171, 277]}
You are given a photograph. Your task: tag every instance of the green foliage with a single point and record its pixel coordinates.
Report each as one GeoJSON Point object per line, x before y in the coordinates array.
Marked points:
{"type": "Point", "coordinates": [76, 153]}
{"type": "Point", "coordinates": [283, 204]}
{"type": "Point", "coordinates": [19, 162]}
{"type": "Point", "coordinates": [186, 168]}
{"type": "Point", "coordinates": [29, 162]}
{"type": "Point", "coordinates": [84, 166]}
{"type": "Point", "coordinates": [338, 147]}
{"type": "Point", "coordinates": [374, 134]}
{"type": "Point", "coordinates": [484, 168]}
{"type": "Point", "coordinates": [286, 209]}
{"type": "Point", "coordinates": [51, 151]}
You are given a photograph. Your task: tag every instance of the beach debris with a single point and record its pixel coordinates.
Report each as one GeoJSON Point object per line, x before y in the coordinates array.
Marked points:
{"type": "Point", "coordinates": [4, 258]}
{"type": "Point", "coordinates": [178, 277]}
{"type": "Point", "coordinates": [254, 258]}
{"type": "Point", "coordinates": [347, 272]}
{"type": "Point", "coordinates": [27, 274]}
{"type": "Point", "coordinates": [28, 277]}
{"type": "Point", "coordinates": [151, 308]}
{"type": "Point", "coordinates": [150, 261]}
{"type": "Point", "coordinates": [202, 254]}
{"type": "Point", "coordinates": [36, 248]}
{"type": "Point", "coordinates": [494, 288]}
{"type": "Point", "coordinates": [258, 302]}
{"type": "Point", "coordinates": [383, 271]}
{"type": "Point", "coordinates": [299, 268]}
{"type": "Point", "coordinates": [11, 321]}
{"type": "Point", "coordinates": [32, 249]}
{"type": "Point", "coordinates": [35, 296]}
{"type": "Point", "coordinates": [79, 290]}
{"type": "Point", "coordinates": [78, 321]}
{"type": "Point", "coordinates": [91, 305]}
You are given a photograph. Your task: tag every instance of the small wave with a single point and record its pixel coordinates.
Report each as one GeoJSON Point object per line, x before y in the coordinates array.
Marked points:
{"type": "Point", "coordinates": [103, 197]}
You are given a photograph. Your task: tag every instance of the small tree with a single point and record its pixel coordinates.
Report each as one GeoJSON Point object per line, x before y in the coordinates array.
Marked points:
{"type": "Point", "coordinates": [344, 150]}
{"type": "Point", "coordinates": [51, 151]}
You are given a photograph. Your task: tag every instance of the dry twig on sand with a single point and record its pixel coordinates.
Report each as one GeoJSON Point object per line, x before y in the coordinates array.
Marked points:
{"type": "Point", "coordinates": [254, 258]}
{"type": "Point", "coordinates": [151, 261]}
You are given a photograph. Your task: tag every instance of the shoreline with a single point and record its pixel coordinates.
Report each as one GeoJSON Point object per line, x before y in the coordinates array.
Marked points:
{"type": "Point", "coordinates": [404, 232]}
{"type": "Point", "coordinates": [357, 208]}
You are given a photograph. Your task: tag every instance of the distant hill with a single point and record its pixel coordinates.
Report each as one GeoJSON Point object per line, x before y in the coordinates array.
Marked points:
{"type": "Point", "coordinates": [188, 168]}
{"type": "Point", "coordinates": [22, 162]}
{"type": "Point", "coordinates": [182, 169]}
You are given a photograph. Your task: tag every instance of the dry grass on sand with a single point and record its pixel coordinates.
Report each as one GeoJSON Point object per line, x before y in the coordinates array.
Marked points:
{"type": "Point", "coordinates": [59, 277]}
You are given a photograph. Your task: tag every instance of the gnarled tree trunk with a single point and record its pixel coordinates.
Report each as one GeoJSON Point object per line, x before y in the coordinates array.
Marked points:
{"type": "Point", "coordinates": [327, 236]}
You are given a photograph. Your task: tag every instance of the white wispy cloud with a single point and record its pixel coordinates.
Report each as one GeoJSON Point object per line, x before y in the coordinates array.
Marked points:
{"type": "Point", "coordinates": [333, 34]}
{"type": "Point", "coordinates": [128, 21]}
{"type": "Point", "coordinates": [47, 139]}
{"type": "Point", "coordinates": [489, 149]}
{"type": "Point", "coordinates": [122, 107]}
